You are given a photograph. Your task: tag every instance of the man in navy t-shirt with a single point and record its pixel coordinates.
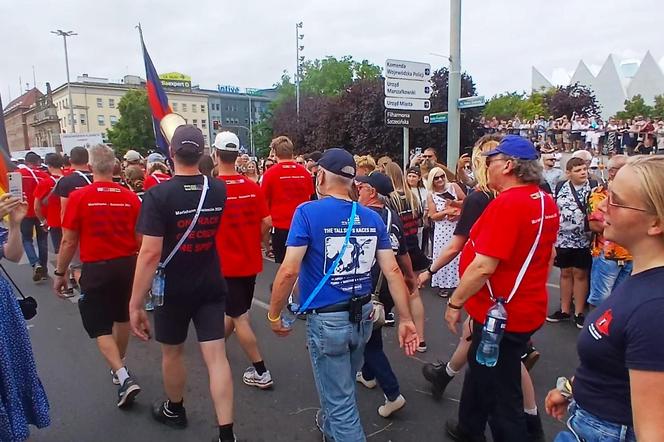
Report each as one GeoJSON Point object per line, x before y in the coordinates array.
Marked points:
{"type": "Point", "coordinates": [335, 336]}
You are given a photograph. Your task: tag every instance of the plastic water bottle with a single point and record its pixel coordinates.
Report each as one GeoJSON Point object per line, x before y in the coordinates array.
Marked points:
{"type": "Point", "coordinates": [158, 284]}
{"type": "Point", "coordinates": [288, 316]}
{"type": "Point", "coordinates": [494, 327]}
{"type": "Point", "coordinates": [149, 306]}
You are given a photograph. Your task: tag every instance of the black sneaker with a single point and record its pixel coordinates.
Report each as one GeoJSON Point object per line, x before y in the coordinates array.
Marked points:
{"type": "Point", "coordinates": [162, 414]}
{"type": "Point", "coordinates": [558, 316]}
{"type": "Point", "coordinates": [37, 273]}
{"type": "Point", "coordinates": [579, 320]}
{"type": "Point", "coordinates": [457, 434]}
{"type": "Point", "coordinates": [389, 319]}
{"type": "Point", "coordinates": [127, 393]}
{"type": "Point", "coordinates": [530, 358]}
{"type": "Point", "coordinates": [437, 375]}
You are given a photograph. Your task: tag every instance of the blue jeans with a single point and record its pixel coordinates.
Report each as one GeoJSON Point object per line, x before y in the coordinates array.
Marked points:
{"type": "Point", "coordinates": [377, 366]}
{"type": "Point", "coordinates": [56, 238]}
{"type": "Point", "coordinates": [28, 227]}
{"type": "Point", "coordinates": [336, 349]}
{"type": "Point", "coordinates": [605, 275]}
{"type": "Point", "coordinates": [586, 427]}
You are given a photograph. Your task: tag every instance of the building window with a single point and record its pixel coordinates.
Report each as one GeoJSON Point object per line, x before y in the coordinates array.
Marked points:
{"type": "Point", "coordinates": [195, 122]}
{"type": "Point", "coordinates": [82, 119]}
{"type": "Point", "coordinates": [111, 103]}
{"type": "Point", "coordinates": [205, 137]}
{"type": "Point", "coordinates": [184, 107]}
{"type": "Point", "coordinates": [202, 108]}
{"type": "Point", "coordinates": [246, 121]}
{"type": "Point", "coordinates": [114, 120]}
{"type": "Point", "coordinates": [194, 108]}
{"type": "Point", "coordinates": [100, 103]}
{"type": "Point", "coordinates": [228, 121]}
{"type": "Point", "coordinates": [100, 120]}
{"type": "Point", "coordinates": [203, 124]}
{"type": "Point", "coordinates": [228, 108]}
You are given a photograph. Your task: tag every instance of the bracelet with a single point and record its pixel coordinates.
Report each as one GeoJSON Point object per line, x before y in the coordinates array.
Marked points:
{"type": "Point", "coordinates": [453, 306]}
{"type": "Point", "coordinates": [56, 273]}
{"type": "Point", "coordinates": [430, 270]}
{"type": "Point", "coordinates": [277, 319]}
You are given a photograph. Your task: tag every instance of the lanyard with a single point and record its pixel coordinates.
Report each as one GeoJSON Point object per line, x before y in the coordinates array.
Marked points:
{"type": "Point", "coordinates": [526, 263]}
{"type": "Point", "coordinates": [85, 177]}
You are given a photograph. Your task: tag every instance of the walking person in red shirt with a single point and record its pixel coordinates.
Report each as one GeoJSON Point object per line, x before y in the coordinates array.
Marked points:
{"type": "Point", "coordinates": [286, 185]}
{"type": "Point", "coordinates": [507, 258]}
{"type": "Point", "coordinates": [102, 218]}
{"type": "Point", "coordinates": [47, 203]}
{"type": "Point", "coordinates": [246, 220]}
{"type": "Point", "coordinates": [31, 226]}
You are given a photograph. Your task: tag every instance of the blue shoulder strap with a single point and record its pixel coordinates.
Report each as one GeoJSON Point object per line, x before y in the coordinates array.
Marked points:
{"type": "Point", "coordinates": [351, 223]}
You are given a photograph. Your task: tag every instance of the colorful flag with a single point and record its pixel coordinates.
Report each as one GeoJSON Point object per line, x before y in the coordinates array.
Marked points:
{"type": "Point", "coordinates": [157, 99]}
{"type": "Point", "coordinates": [6, 164]}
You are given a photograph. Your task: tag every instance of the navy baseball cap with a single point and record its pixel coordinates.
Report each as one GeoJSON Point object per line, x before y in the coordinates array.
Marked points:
{"type": "Point", "coordinates": [188, 140]}
{"type": "Point", "coordinates": [378, 181]}
{"type": "Point", "coordinates": [514, 146]}
{"type": "Point", "coordinates": [338, 161]}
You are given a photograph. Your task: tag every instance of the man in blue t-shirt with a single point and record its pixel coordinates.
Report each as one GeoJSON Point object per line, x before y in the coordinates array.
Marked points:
{"type": "Point", "coordinates": [338, 316]}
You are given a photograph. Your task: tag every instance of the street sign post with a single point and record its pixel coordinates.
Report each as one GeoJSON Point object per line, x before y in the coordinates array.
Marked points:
{"type": "Point", "coordinates": [438, 117]}
{"type": "Point", "coordinates": [407, 88]}
{"type": "Point", "coordinates": [468, 102]}
{"type": "Point", "coordinates": [407, 103]}
{"type": "Point", "coordinates": [404, 118]}
{"type": "Point", "coordinates": [407, 70]}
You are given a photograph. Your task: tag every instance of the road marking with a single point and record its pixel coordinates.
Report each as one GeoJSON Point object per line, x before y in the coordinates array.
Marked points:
{"type": "Point", "coordinates": [261, 304]}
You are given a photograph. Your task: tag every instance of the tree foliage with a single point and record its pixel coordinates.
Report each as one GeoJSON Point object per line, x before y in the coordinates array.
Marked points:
{"type": "Point", "coordinates": [567, 100]}
{"type": "Point", "coordinates": [134, 128]}
{"type": "Point", "coordinates": [636, 107]}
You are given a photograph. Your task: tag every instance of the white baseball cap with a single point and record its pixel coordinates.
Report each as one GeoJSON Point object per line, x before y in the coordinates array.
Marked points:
{"type": "Point", "coordinates": [132, 155]}
{"type": "Point", "coordinates": [227, 141]}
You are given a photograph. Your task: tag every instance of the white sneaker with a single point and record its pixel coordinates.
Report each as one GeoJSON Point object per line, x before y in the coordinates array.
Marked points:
{"type": "Point", "coordinates": [391, 407]}
{"type": "Point", "coordinates": [251, 377]}
{"type": "Point", "coordinates": [367, 383]}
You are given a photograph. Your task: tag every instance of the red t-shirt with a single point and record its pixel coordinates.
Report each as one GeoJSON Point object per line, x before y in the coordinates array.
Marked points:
{"type": "Point", "coordinates": [51, 207]}
{"type": "Point", "coordinates": [104, 215]}
{"type": "Point", "coordinates": [506, 231]}
{"type": "Point", "coordinates": [239, 237]}
{"type": "Point", "coordinates": [30, 178]}
{"type": "Point", "coordinates": [154, 179]}
{"type": "Point", "coordinates": [286, 185]}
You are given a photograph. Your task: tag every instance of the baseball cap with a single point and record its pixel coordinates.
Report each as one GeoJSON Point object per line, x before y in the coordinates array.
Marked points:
{"type": "Point", "coordinates": [313, 156]}
{"type": "Point", "coordinates": [338, 161]}
{"type": "Point", "coordinates": [583, 154]}
{"type": "Point", "coordinates": [32, 158]}
{"type": "Point", "coordinates": [594, 163]}
{"type": "Point", "coordinates": [415, 170]}
{"type": "Point", "coordinates": [514, 146]}
{"type": "Point", "coordinates": [227, 141]}
{"type": "Point", "coordinates": [155, 158]}
{"type": "Point", "coordinates": [132, 155]}
{"type": "Point", "coordinates": [378, 181]}
{"type": "Point", "coordinates": [188, 140]}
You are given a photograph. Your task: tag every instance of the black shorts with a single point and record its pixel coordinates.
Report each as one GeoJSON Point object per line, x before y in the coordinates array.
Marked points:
{"type": "Point", "coordinates": [105, 292]}
{"type": "Point", "coordinates": [279, 237]}
{"type": "Point", "coordinates": [240, 295]}
{"type": "Point", "coordinates": [204, 306]}
{"type": "Point", "coordinates": [577, 258]}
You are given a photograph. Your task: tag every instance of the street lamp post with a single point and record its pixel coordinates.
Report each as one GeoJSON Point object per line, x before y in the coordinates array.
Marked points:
{"type": "Point", "coordinates": [64, 35]}
{"type": "Point", "coordinates": [298, 66]}
{"type": "Point", "coordinates": [251, 127]}
{"type": "Point", "coordinates": [454, 88]}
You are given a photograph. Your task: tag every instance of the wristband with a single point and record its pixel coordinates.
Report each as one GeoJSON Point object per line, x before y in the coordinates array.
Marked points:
{"type": "Point", "coordinates": [277, 319]}
{"type": "Point", "coordinates": [56, 273]}
{"type": "Point", "coordinates": [453, 306]}
{"type": "Point", "coordinates": [430, 270]}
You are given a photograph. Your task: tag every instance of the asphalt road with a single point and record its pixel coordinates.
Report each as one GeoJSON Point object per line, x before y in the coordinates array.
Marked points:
{"type": "Point", "coordinates": [82, 396]}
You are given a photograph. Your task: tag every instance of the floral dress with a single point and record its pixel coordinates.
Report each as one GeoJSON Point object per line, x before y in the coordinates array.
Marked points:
{"type": "Point", "coordinates": [23, 401]}
{"type": "Point", "coordinates": [448, 276]}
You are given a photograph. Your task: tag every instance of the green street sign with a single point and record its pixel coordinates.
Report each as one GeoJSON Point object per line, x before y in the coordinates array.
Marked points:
{"type": "Point", "coordinates": [438, 117]}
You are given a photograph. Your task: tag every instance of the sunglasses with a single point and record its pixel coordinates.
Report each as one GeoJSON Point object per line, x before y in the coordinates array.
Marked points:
{"type": "Point", "coordinates": [438, 177]}
{"type": "Point", "coordinates": [427, 156]}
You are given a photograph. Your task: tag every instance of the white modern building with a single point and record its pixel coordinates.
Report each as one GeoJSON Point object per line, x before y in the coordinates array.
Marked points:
{"type": "Point", "coordinates": [615, 82]}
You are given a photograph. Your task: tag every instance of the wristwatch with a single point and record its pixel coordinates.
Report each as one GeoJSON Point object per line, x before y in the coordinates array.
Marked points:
{"type": "Point", "coordinates": [564, 386]}
{"type": "Point", "coordinates": [56, 273]}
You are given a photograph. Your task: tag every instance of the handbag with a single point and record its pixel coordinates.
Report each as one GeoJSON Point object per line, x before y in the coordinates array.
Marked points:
{"type": "Point", "coordinates": [377, 315]}
{"type": "Point", "coordinates": [27, 304]}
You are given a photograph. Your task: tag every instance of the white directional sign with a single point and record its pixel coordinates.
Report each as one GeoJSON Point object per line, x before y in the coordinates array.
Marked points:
{"type": "Point", "coordinates": [407, 88]}
{"type": "Point", "coordinates": [407, 103]}
{"type": "Point", "coordinates": [468, 102]}
{"type": "Point", "coordinates": [407, 70]}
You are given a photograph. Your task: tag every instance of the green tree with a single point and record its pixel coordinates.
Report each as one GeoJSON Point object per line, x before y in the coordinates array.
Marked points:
{"type": "Point", "coordinates": [134, 128]}
{"type": "Point", "coordinates": [658, 108]}
{"type": "Point", "coordinates": [333, 77]}
{"type": "Point", "coordinates": [635, 107]}
{"type": "Point", "coordinates": [504, 106]}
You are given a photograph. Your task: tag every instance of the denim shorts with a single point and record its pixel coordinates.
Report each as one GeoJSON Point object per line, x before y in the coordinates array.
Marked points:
{"type": "Point", "coordinates": [605, 275]}
{"type": "Point", "coordinates": [586, 427]}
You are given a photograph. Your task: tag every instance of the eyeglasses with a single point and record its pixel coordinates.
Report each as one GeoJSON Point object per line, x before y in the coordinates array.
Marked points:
{"type": "Point", "coordinates": [623, 206]}
{"type": "Point", "coordinates": [490, 160]}
{"type": "Point", "coordinates": [438, 177]}
{"type": "Point", "coordinates": [427, 156]}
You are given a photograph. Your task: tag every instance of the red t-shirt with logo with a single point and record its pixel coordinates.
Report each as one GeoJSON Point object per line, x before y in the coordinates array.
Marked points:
{"type": "Point", "coordinates": [286, 185]}
{"type": "Point", "coordinates": [104, 214]}
{"type": "Point", "coordinates": [50, 206]}
{"type": "Point", "coordinates": [30, 178]}
{"type": "Point", "coordinates": [239, 237]}
{"type": "Point", "coordinates": [154, 179]}
{"type": "Point", "coordinates": [506, 231]}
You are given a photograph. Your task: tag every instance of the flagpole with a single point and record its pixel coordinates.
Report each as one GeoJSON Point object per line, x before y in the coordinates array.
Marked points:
{"type": "Point", "coordinates": [3, 133]}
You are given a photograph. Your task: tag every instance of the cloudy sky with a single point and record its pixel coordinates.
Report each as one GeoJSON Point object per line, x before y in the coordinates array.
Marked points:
{"type": "Point", "coordinates": [249, 43]}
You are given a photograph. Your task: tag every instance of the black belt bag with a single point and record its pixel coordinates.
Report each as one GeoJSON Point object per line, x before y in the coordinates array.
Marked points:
{"type": "Point", "coordinates": [353, 307]}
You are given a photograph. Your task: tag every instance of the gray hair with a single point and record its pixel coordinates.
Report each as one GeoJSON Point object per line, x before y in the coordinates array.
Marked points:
{"type": "Point", "coordinates": [528, 171]}
{"type": "Point", "coordinates": [102, 159]}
